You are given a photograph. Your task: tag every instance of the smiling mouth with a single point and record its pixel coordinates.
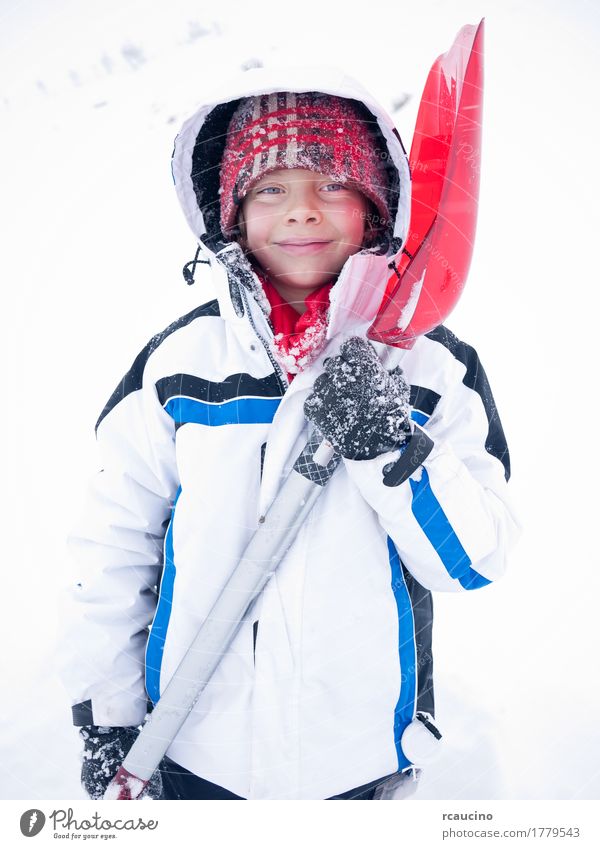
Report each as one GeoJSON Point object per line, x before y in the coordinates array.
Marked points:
{"type": "Point", "coordinates": [303, 246]}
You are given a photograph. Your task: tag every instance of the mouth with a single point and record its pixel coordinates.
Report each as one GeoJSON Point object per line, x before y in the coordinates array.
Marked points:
{"type": "Point", "coordinates": [303, 246]}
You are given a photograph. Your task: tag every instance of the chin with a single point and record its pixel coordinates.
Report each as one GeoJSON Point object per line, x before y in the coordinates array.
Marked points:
{"type": "Point", "coordinates": [308, 282]}
{"type": "Point", "coordinates": [308, 278]}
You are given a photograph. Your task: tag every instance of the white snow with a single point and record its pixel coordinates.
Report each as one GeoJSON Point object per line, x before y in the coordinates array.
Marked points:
{"type": "Point", "coordinates": [93, 243]}
{"type": "Point", "coordinates": [133, 785]}
{"type": "Point", "coordinates": [307, 348]}
{"type": "Point", "coordinates": [413, 299]}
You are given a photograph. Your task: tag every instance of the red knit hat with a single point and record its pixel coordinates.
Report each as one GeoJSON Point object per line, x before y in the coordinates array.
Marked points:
{"type": "Point", "coordinates": [320, 132]}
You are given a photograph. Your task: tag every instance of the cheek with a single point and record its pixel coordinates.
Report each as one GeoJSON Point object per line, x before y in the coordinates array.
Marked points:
{"type": "Point", "coordinates": [353, 225]}
{"type": "Point", "coordinates": [255, 232]}
{"type": "Point", "coordinates": [259, 223]}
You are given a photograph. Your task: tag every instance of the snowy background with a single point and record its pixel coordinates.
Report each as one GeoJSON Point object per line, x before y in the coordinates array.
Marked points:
{"type": "Point", "coordinates": [91, 97]}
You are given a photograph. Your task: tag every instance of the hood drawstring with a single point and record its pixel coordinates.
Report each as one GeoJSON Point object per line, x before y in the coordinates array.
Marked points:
{"type": "Point", "coordinates": [188, 274]}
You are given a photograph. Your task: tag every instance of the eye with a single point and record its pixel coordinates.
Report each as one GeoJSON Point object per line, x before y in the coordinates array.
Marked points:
{"type": "Point", "coordinates": [334, 187]}
{"type": "Point", "coordinates": [267, 190]}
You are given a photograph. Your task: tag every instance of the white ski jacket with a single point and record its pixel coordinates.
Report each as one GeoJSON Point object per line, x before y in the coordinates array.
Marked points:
{"type": "Point", "coordinates": [334, 659]}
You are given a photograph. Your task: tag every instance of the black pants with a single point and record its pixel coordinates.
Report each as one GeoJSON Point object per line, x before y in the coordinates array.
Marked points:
{"type": "Point", "coordinates": [180, 783]}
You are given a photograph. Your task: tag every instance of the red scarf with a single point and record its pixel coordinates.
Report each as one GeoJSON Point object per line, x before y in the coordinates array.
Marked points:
{"type": "Point", "coordinates": [298, 338]}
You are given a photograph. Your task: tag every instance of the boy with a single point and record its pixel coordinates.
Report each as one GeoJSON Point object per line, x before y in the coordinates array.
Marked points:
{"type": "Point", "coordinates": [299, 191]}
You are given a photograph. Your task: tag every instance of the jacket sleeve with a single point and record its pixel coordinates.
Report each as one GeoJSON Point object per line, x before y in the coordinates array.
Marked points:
{"type": "Point", "coordinates": [117, 553]}
{"type": "Point", "coordinates": [443, 501]}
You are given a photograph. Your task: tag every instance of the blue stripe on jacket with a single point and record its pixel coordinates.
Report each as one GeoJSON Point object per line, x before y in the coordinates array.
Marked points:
{"type": "Point", "coordinates": [419, 417]}
{"type": "Point", "coordinates": [405, 707]}
{"type": "Point", "coordinates": [440, 533]}
{"type": "Point", "coordinates": [158, 631]}
{"type": "Point", "coordinates": [237, 411]}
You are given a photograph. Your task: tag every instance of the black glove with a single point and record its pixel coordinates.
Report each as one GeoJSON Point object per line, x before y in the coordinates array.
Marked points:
{"type": "Point", "coordinates": [103, 753]}
{"type": "Point", "coordinates": [360, 408]}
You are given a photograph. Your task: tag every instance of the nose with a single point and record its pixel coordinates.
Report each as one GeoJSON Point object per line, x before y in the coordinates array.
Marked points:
{"type": "Point", "coordinates": [303, 208]}
{"type": "Point", "coordinates": [304, 215]}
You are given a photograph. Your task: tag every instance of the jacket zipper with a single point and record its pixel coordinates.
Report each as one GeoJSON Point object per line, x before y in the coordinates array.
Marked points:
{"type": "Point", "coordinates": [276, 367]}
{"type": "Point", "coordinates": [282, 384]}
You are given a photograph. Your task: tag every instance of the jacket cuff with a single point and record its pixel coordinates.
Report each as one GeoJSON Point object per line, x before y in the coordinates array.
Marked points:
{"type": "Point", "coordinates": [109, 713]}
{"type": "Point", "coordinates": [82, 713]}
{"type": "Point", "coordinates": [416, 450]}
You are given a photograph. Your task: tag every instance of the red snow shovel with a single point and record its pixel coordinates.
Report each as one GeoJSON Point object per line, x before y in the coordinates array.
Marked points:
{"type": "Point", "coordinates": [431, 270]}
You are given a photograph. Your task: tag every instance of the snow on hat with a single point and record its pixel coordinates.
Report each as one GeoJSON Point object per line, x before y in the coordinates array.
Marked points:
{"type": "Point", "coordinates": [323, 133]}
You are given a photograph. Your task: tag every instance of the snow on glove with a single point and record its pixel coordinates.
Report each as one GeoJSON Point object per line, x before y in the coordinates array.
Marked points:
{"type": "Point", "coordinates": [103, 753]}
{"type": "Point", "coordinates": [360, 408]}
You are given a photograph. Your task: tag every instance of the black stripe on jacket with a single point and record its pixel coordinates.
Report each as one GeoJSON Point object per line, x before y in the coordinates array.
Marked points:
{"type": "Point", "coordinates": [423, 399]}
{"type": "Point", "coordinates": [132, 381]}
{"type": "Point", "coordinates": [475, 378]}
{"type": "Point", "coordinates": [422, 606]}
{"type": "Point", "coordinates": [216, 392]}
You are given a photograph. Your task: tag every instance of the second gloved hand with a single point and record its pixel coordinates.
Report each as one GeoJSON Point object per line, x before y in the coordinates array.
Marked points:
{"type": "Point", "coordinates": [360, 408]}
{"type": "Point", "coordinates": [103, 753]}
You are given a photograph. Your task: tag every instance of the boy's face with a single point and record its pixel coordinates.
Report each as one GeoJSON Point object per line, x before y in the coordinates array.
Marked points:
{"type": "Point", "coordinates": [301, 227]}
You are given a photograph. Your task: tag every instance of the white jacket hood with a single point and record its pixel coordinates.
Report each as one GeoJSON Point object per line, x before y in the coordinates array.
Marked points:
{"type": "Point", "coordinates": [199, 145]}
{"type": "Point", "coordinates": [361, 283]}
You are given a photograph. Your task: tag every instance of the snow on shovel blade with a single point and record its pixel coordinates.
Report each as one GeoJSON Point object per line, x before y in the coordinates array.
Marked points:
{"type": "Point", "coordinates": [431, 270]}
{"type": "Point", "coordinates": [124, 786]}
